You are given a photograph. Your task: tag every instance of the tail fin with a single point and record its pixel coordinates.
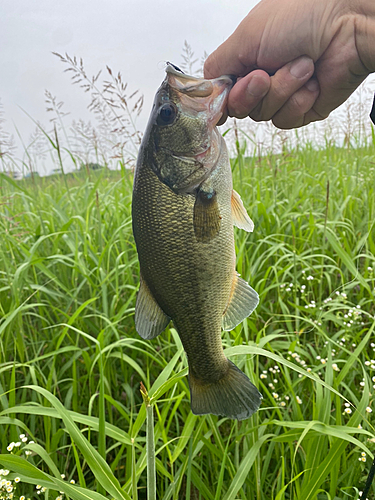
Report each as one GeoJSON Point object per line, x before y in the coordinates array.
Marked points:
{"type": "Point", "coordinates": [233, 396]}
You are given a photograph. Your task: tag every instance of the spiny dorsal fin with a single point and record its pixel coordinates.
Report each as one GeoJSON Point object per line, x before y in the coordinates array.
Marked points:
{"type": "Point", "coordinates": [242, 302]}
{"type": "Point", "coordinates": [150, 320]}
{"type": "Point", "coordinates": [207, 217]}
{"type": "Point", "coordinates": [240, 217]}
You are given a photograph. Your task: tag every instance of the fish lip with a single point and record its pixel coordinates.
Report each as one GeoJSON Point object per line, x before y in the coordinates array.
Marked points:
{"type": "Point", "coordinates": [171, 69]}
{"type": "Point", "coordinates": [212, 91]}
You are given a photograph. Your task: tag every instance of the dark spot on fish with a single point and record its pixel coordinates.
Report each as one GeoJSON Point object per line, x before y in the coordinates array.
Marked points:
{"type": "Point", "coordinates": [206, 218]}
{"type": "Point", "coordinates": [156, 142]}
{"type": "Point", "coordinates": [175, 67]}
{"type": "Point", "coordinates": [233, 78]}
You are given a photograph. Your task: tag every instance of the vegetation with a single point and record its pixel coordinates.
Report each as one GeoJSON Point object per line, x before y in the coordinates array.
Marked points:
{"type": "Point", "coordinates": [89, 410]}
{"type": "Point", "coordinates": [72, 363]}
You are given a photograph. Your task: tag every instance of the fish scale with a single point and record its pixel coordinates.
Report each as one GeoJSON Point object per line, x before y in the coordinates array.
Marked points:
{"type": "Point", "coordinates": [185, 242]}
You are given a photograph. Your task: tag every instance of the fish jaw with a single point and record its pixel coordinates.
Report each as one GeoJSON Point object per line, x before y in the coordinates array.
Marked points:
{"type": "Point", "coordinates": [212, 94]}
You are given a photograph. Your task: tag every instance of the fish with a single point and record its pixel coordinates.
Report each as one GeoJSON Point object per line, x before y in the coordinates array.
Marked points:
{"type": "Point", "coordinates": [183, 211]}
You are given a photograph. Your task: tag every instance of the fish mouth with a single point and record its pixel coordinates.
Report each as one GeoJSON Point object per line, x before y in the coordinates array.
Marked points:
{"type": "Point", "coordinates": [200, 95]}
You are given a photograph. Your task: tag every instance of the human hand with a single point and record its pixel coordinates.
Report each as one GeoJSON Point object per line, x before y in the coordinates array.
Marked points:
{"type": "Point", "coordinates": [318, 52]}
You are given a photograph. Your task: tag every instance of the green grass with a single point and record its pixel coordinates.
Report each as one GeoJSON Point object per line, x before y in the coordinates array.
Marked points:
{"type": "Point", "coordinates": [71, 362]}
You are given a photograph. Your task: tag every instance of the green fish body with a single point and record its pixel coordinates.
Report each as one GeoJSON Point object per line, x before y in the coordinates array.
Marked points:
{"type": "Point", "coordinates": [183, 211]}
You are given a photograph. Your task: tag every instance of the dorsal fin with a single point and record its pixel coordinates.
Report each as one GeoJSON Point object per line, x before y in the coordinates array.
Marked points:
{"type": "Point", "coordinates": [242, 302]}
{"type": "Point", "coordinates": [240, 217]}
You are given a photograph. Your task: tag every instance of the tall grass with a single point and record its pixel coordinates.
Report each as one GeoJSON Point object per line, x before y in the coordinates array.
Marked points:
{"type": "Point", "coordinates": [71, 362]}
{"type": "Point", "coordinates": [73, 421]}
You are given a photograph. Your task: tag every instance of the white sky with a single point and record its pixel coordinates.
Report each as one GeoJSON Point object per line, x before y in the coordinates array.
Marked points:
{"type": "Point", "coordinates": [134, 37]}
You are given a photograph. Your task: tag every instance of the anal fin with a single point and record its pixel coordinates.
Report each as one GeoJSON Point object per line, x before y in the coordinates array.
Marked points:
{"type": "Point", "coordinates": [240, 217]}
{"type": "Point", "coordinates": [242, 302]}
{"type": "Point", "coordinates": [150, 320]}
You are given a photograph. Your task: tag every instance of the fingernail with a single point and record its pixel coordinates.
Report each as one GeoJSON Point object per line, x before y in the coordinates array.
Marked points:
{"type": "Point", "coordinates": [312, 85]}
{"type": "Point", "coordinates": [301, 67]}
{"type": "Point", "coordinates": [257, 87]}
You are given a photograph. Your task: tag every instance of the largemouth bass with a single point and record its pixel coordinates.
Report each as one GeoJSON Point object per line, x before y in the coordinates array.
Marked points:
{"type": "Point", "coordinates": [183, 211]}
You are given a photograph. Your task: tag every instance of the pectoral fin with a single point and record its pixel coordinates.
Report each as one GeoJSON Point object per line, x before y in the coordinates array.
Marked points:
{"type": "Point", "coordinates": [207, 217]}
{"type": "Point", "coordinates": [240, 217]}
{"type": "Point", "coordinates": [242, 302]}
{"type": "Point", "coordinates": [150, 320]}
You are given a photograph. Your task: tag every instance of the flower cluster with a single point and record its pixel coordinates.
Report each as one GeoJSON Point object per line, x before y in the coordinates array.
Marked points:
{"type": "Point", "coordinates": [14, 446]}
{"type": "Point", "coordinates": [371, 363]}
{"type": "Point", "coordinates": [7, 487]}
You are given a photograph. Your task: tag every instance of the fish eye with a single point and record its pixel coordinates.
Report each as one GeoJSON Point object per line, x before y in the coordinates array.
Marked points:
{"type": "Point", "coordinates": [167, 114]}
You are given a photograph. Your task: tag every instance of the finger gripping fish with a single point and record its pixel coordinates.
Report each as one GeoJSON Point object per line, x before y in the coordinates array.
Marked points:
{"type": "Point", "coordinates": [183, 210]}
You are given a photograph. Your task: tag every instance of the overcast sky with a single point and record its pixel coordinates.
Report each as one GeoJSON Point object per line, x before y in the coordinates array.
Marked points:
{"type": "Point", "coordinates": [133, 37]}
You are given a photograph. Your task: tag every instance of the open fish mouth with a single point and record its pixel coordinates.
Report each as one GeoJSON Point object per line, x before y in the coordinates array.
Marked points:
{"type": "Point", "coordinates": [212, 94]}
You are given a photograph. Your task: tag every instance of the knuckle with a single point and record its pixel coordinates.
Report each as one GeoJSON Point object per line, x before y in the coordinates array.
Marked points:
{"type": "Point", "coordinates": [256, 114]}
{"type": "Point", "coordinates": [298, 103]}
{"type": "Point", "coordinates": [285, 123]}
{"type": "Point", "coordinates": [281, 89]}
